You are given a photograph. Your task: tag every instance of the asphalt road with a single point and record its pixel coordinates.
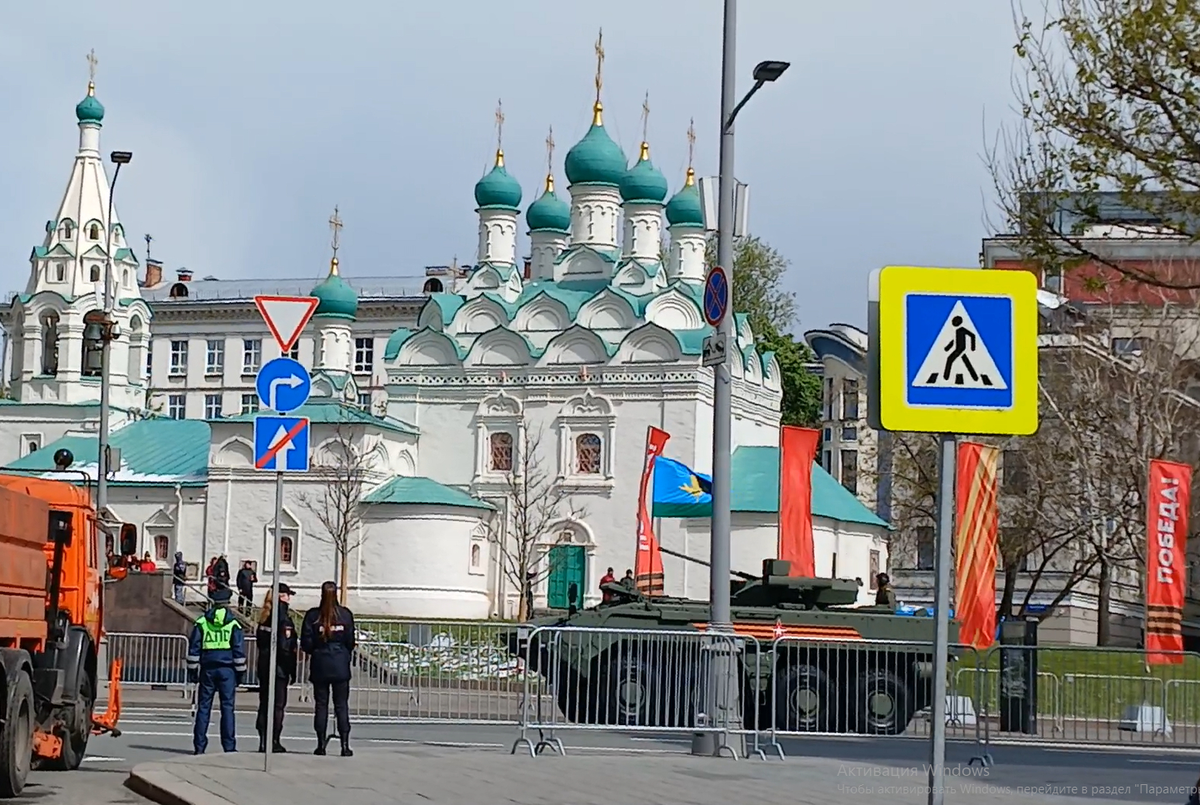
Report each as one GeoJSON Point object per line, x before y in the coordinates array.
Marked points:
{"type": "Point", "coordinates": [160, 730]}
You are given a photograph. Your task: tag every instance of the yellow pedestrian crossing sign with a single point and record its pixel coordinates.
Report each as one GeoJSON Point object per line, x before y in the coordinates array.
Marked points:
{"type": "Point", "coordinates": [954, 351]}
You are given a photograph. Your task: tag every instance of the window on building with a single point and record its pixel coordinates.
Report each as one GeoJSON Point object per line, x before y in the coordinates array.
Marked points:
{"type": "Point", "coordinates": [432, 285]}
{"type": "Point", "coordinates": [849, 477]}
{"type": "Point", "coordinates": [364, 401]}
{"type": "Point", "coordinates": [177, 406]}
{"type": "Point", "coordinates": [501, 449]}
{"type": "Point", "coordinates": [212, 406]}
{"type": "Point", "coordinates": [214, 356]}
{"type": "Point", "coordinates": [873, 568]}
{"type": "Point", "coordinates": [30, 443]}
{"type": "Point", "coordinates": [830, 404]}
{"type": "Point", "coordinates": [93, 343]}
{"type": "Point", "coordinates": [94, 274]}
{"type": "Point", "coordinates": [50, 343]}
{"type": "Point", "coordinates": [849, 434]}
{"type": "Point", "coordinates": [926, 549]}
{"type": "Point", "coordinates": [179, 357]}
{"type": "Point", "coordinates": [294, 352]}
{"type": "Point", "coordinates": [476, 557]}
{"type": "Point", "coordinates": [1014, 471]}
{"type": "Point", "coordinates": [286, 551]}
{"type": "Point", "coordinates": [251, 355]}
{"type": "Point", "coordinates": [827, 461]}
{"type": "Point", "coordinates": [162, 547]}
{"type": "Point", "coordinates": [68, 230]}
{"type": "Point", "coordinates": [249, 403]}
{"type": "Point", "coordinates": [149, 360]}
{"type": "Point", "coordinates": [588, 452]}
{"type": "Point", "coordinates": [850, 400]}
{"type": "Point", "coordinates": [94, 232]}
{"type": "Point", "coordinates": [60, 272]}
{"type": "Point", "coordinates": [364, 355]}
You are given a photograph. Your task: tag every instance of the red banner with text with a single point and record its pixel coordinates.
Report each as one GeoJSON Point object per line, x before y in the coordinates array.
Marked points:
{"type": "Point", "coordinates": [797, 452]}
{"type": "Point", "coordinates": [1169, 494]}
{"type": "Point", "coordinates": [648, 566]}
{"type": "Point", "coordinates": [975, 546]}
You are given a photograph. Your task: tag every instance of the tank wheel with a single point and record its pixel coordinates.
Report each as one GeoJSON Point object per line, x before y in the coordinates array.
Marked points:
{"type": "Point", "coordinates": [16, 738]}
{"type": "Point", "coordinates": [569, 694]}
{"type": "Point", "coordinates": [646, 691]}
{"type": "Point", "coordinates": [882, 704]}
{"type": "Point", "coordinates": [804, 698]}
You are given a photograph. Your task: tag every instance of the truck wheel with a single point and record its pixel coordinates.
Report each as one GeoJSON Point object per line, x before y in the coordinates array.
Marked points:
{"type": "Point", "coordinates": [16, 738]}
{"type": "Point", "coordinates": [647, 691]}
{"type": "Point", "coordinates": [804, 699]}
{"type": "Point", "coordinates": [882, 705]}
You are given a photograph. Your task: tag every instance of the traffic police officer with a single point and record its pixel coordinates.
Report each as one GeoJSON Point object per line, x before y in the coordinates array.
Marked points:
{"type": "Point", "coordinates": [217, 662]}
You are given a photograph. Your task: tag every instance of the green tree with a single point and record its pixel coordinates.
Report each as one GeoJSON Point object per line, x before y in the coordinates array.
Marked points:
{"type": "Point", "coordinates": [758, 271]}
{"type": "Point", "coordinates": [1109, 97]}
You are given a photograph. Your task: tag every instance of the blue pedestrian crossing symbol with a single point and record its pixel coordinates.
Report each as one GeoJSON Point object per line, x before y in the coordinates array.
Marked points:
{"type": "Point", "coordinates": [959, 351]}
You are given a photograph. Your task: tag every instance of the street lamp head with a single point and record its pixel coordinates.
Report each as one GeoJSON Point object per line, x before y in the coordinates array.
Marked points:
{"type": "Point", "coordinates": [124, 157]}
{"type": "Point", "coordinates": [767, 71]}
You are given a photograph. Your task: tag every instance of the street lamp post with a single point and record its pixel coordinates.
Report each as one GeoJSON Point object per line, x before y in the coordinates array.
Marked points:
{"type": "Point", "coordinates": [109, 331]}
{"type": "Point", "coordinates": [724, 692]}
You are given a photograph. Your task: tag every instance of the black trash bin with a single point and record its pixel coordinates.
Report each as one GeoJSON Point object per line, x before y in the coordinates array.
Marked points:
{"type": "Point", "coordinates": [1018, 676]}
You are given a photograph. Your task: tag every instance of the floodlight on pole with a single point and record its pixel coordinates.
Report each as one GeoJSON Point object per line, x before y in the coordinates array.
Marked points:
{"type": "Point", "coordinates": [109, 331]}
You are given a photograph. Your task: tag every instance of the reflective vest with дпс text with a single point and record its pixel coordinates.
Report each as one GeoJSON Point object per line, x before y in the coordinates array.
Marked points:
{"type": "Point", "coordinates": [217, 636]}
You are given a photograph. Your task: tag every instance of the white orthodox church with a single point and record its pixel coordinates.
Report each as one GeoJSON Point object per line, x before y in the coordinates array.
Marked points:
{"type": "Point", "coordinates": [550, 370]}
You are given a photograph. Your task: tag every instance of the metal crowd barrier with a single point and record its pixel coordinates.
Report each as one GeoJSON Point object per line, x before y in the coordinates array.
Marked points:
{"type": "Point", "coordinates": [149, 660]}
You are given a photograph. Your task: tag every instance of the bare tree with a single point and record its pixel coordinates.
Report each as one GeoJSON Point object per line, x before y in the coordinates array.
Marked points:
{"type": "Point", "coordinates": [534, 502]}
{"type": "Point", "coordinates": [343, 470]}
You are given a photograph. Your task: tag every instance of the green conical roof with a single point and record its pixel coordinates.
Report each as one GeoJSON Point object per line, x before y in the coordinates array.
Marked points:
{"type": "Point", "coordinates": [684, 208]}
{"type": "Point", "coordinates": [498, 190]}
{"type": "Point", "coordinates": [596, 159]}
{"type": "Point", "coordinates": [643, 182]}
{"type": "Point", "coordinates": [549, 212]}
{"type": "Point", "coordinates": [337, 299]}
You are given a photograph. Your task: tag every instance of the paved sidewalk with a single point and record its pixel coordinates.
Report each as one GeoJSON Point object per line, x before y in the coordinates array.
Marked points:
{"type": "Point", "coordinates": [447, 776]}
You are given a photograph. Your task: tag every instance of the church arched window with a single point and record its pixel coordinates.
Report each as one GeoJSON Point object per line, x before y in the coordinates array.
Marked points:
{"type": "Point", "coordinates": [67, 230]}
{"type": "Point", "coordinates": [94, 232]}
{"type": "Point", "coordinates": [60, 272]}
{"type": "Point", "coordinates": [137, 349]}
{"type": "Point", "coordinates": [94, 273]}
{"type": "Point", "coordinates": [433, 285]}
{"type": "Point", "coordinates": [50, 343]}
{"type": "Point", "coordinates": [588, 454]}
{"type": "Point", "coordinates": [93, 343]}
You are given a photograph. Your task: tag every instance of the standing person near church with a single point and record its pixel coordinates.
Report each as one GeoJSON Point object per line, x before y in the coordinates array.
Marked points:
{"type": "Point", "coordinates": [327, 637]}
{"type": "Point", "coordinates": [285, 668]}
{"type": "Point", "coordinates": [216, 662]}
{"type": "Point", "coordinates": [607, 578]}
{"type": "Point", "coordinates": [246, 579]}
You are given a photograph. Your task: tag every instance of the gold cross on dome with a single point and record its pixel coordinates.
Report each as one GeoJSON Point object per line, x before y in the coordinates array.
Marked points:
{"type": "Point", "coordinates": [691, 135]}
{"type": "Point", "coordinates": [599, 63]}
{"type": "Point", "coordinates": [645, 116]}
{"type": "Point", "coordinates": [92, 62]}
{"type": "Point", "coordinates": [335, 226]}
{"type": "Point", "coordinates": [499, 124]}
{"type": "Point", "coordinates": [550, 151]}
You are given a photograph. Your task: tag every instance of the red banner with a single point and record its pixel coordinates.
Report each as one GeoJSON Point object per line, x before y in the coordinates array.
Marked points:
{"type": "Point", "coordinates": [975, 548]}
{"type": "Point", "coordinates": [797, 452]}
{"type": "Point", "coordinates": [648, 567]}
{"type": "Point", "coordinates": [1169, 494]}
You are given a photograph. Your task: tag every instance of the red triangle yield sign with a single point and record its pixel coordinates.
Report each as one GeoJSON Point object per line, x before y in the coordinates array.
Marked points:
{"type": "Point", "coordinates": [286, 316]}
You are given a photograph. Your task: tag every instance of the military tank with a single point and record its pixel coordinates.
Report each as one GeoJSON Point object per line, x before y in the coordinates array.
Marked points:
{"type": "Point", "coordinates": [808, 660]}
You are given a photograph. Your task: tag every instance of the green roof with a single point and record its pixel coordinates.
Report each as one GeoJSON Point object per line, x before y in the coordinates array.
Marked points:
{"type": "Point", "coordinates": [596, 159]}
{"type": "Point", "coordinates": [447, 304]}
{"type": "Point", "coordinates": [403, 490]}
{"type": "Point", "coordinates": [684, 208]}
{"type": "Point", "coordinates": [154, 452]}
{"type": "Point", "coordinates": [333, 412]}
{"type": "Point", "coordinates": [755, 473]}
{"type": "Point", "coordinates": [336, 299]}
{"type": "Point", "coordinates": [498, 190]}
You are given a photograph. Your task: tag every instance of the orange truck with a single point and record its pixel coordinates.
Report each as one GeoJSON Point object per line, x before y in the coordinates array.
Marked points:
{"type": "Point", "coordinates": [51, 623]}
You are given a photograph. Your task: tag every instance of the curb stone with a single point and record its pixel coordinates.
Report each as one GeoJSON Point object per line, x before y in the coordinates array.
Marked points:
{"type": "Point", "coordinates": [156, 784]}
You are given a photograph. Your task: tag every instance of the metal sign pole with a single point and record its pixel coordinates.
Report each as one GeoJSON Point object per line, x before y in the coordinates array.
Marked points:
{"type": "Point", "coordinates": [941, 614]}
{"type": "Point", "coordinates": [269, 723]}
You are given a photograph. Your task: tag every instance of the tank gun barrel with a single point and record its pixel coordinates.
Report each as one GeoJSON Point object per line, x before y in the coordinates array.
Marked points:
{"type": "Point", "coordinates": [694, 560]}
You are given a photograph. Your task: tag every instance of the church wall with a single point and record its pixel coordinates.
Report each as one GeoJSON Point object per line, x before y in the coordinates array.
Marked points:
{"type": "Point", "coordinates": [24, 425]}
{"type": "Point", "coordinates": [418, 563]}
{"type": "Point", "coordinates": [155, 510]}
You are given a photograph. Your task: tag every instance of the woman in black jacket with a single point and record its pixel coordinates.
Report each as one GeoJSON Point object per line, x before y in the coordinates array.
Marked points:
{"type": "Point", "coordinates": [327, 637]}
{"type": "Point", "coordinates": [285, 668]}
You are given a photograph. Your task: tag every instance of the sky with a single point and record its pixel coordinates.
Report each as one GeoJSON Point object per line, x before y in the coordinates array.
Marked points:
{"type": "Point", "coordinates": [250, 121]}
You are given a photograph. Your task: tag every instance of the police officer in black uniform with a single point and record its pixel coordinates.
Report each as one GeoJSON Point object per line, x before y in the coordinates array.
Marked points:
{"type": "Point", "coordinates": [327, 637]}
{"type": "Point", "coordinates": [285, 668]}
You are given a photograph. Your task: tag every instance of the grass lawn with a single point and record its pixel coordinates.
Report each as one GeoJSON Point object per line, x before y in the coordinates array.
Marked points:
{"type": "Point", "coordinates": [1083, 683]}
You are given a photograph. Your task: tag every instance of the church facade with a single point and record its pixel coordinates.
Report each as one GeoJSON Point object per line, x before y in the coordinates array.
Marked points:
{"type": "Point", "coordinates": [446, 418]}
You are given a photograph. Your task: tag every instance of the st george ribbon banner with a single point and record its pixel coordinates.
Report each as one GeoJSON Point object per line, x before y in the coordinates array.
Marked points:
{"type": "Point", "coordinates": [648, 566]}
{"type": "Point", "coordinates": [1169, 495]}
{"type": "Point", "coordinates": [978, 521]}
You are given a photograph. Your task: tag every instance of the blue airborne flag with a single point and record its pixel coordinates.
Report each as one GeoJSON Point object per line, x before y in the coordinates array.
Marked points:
{"type": "Point", "coordinates": [680, 491]}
